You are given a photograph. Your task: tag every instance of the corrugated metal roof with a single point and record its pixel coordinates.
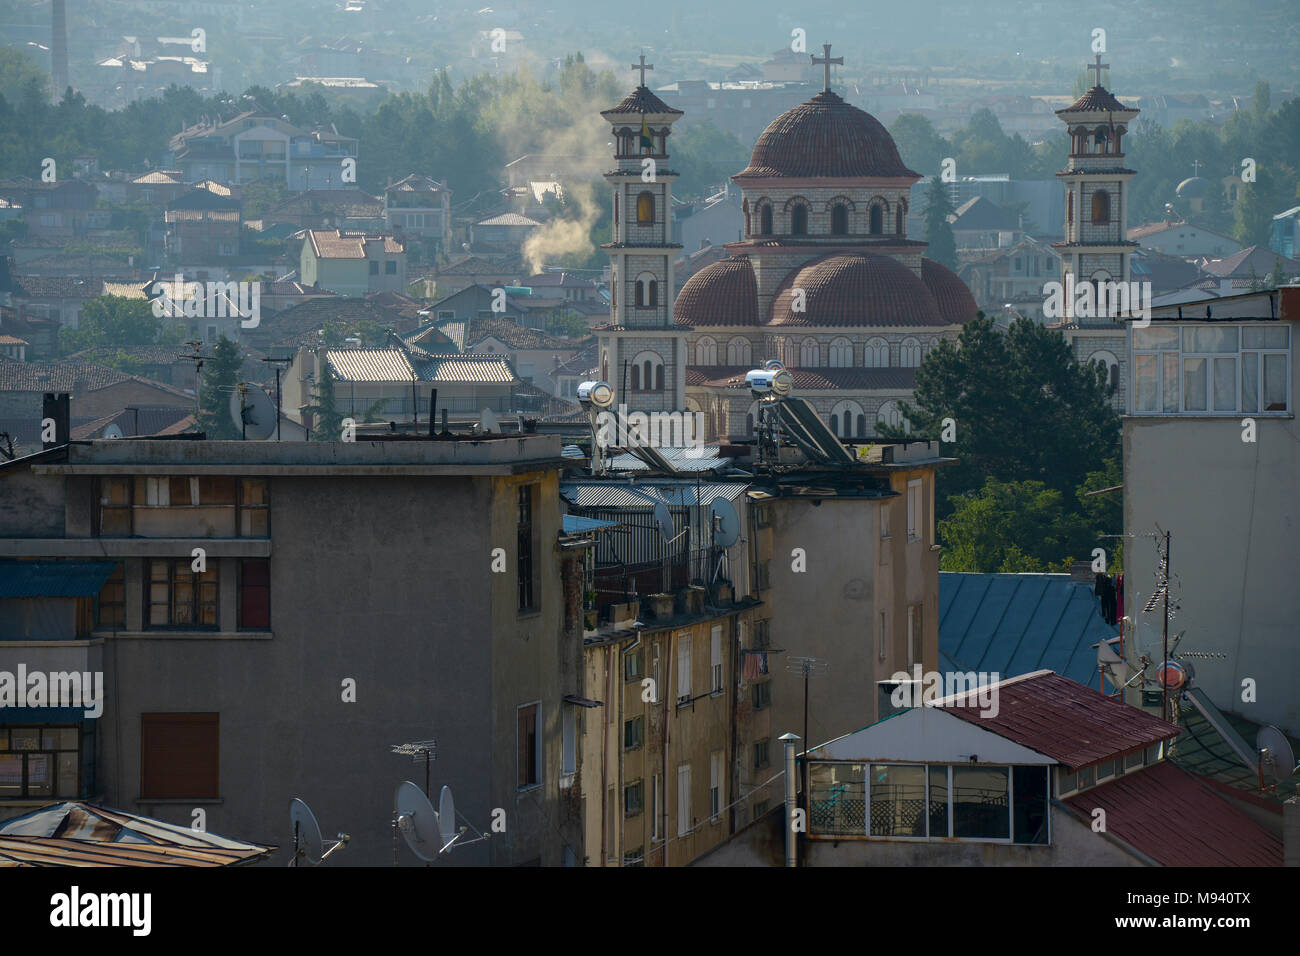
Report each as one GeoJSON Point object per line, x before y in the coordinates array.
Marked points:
{"type": "Point", "coordinates": [44, 851]}
{"type": "Point", "coordinates": [1062, 719]}
{"type": "Point", "coordinates": [576, 524]}
{"type": "Point", "coordinates": [644, 494]}
{"type": "Point", "coordinates": [463, 369]}
{"type": "Point", "coordinates": [370, 365]}
{"type": "Point", "coordinates": [1168, 815]}
{"type": "Point", "coordinates": [28, 579]}
{"type": "Point", "coordinates": [683, 459]}
{"type": "Point", "coordinates": [1012, 624]}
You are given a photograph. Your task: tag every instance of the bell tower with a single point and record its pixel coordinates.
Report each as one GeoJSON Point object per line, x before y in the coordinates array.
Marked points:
{"type": "Point", "coordinates": [642, 352]}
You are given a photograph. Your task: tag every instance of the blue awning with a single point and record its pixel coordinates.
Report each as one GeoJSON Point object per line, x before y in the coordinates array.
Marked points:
{"type": "Point", "coordinates": [66, 579]}
{"type": "Point", "coordinates": [576, 524]}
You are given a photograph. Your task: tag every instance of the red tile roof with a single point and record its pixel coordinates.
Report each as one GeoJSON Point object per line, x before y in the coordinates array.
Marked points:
{"type": "Point", "coordinates": [825, 137]}
{"type": "Point", "coordinates": [1062, 719]}
{"type": "Point", "coordinates": [1096, 100]}
{"type": "Point", "coordinates": [1168, 815]}
{"type": "Point", "coordinates": [642, 100]}
{"type": "Point", "coordinates": [724, 293]}
{"type": "Point", "coordinates": [855, 290]}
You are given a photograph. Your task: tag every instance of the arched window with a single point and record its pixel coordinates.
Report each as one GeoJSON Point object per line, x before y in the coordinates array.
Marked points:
{"type": "Point", "coordinates": [900, 221]}
{"type": "Point", "coordinates": [809, 353]}
{"type": "Point", "coordinates": [654, 292]}
{"type": "Point", "coordinates": [645, 208]}
{"type": "Point", "coordinates": [844, 416]}
{"type": "Point", "coordinates": [647, 291]}
{"type": "Point", "coordinates": [615, 209]}
{"type": "Point", "coordinates": [1069, 208]}
{"type": "Point", "coordinates": [889, 414]}
{"type": "Point", "coordinates": [1102, 139]}
{"type": "Point", "coordinates": [738, 351]}
{"type": "Point", "coordinates": [839, 219]}
{"type": "Point", "coordinates": [765, 221]}
{"type": "Point", "coordinates": [841, 353]}
{"type": "Point", "coordinates": [648, 371]}
{"type": "Point", "coordinates": [876, 354]}
{"type": "Point", "coordinates": [744, 207]}
{"type": "Point", "coordinates": [706, 351]}
{"type": "Point", "coordinates": [1110, 363]}
{"type": "Point", "coordinates": [877, 220]}
{"type": "Point", "coordinates": [909, 353]}
{"type": "Point", "coordinates": [799, 220]}
{"type": "Point", "coordinates": [1100, 207]}
{"type": "Point", "coordinates": [862, 426]}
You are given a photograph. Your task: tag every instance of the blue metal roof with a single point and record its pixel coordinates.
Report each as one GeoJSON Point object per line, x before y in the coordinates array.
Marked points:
{"type": "Point", "coordinates": [1013, 624]}
{"type": "Point", "coordinates": [574, 524]}
{"type": "Point", "coordinates": [68, 579]}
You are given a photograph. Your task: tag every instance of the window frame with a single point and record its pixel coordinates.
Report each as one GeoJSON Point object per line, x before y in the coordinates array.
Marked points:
{"type": "Point", "coordinates": [52, 753]}
{"type": "Point", "coordinates": [538, 755]}
{"type": "Point", "coordinates": [1175, 355]}
{"type": "Point", "coordinates": [183, 564]}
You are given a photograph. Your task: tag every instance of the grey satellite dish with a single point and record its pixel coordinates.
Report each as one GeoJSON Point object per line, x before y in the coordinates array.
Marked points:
{"type": "Point", "coordinates": [726, 522]}
{"type": "Point", "coordinates": [1276, 758]}
{"type": "Point", "coordinates": [418, 821]}
{"type": "Point", "coordinates": [307, 842]}
{"type": "Point", "coordinates": [488, 422]}
{"type": "Point", "coordinates": [252, 411]}
{"type": "Point", "coordinates": [446, 818]}
{"type": "Point", "coordinates": [664, 520]}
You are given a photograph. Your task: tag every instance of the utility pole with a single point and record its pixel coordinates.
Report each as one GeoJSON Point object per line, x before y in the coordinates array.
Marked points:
{"type": "Point", "coordinates": [278, 410]}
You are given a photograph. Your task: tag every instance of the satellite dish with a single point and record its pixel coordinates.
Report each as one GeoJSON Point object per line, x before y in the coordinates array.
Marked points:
{"type": "Point", "coordinates": [418, 821]}
{"type": "Point", "coordinates": [726, 522]}
{"type": "Point", "coordinates": [446, 818]}
{"type": "Point", "coordinates": [488, 422]}
{"type": "Point", "coordinates": [252, 411]}
{"type": "Point", "coordinates": [112, 431]}
{"type": "Point", "coordinates": [307, 842]}
{"type": "Point", "coordinates": [664, 519]}
{"type": "Point", "coordinates": [1276, 758]}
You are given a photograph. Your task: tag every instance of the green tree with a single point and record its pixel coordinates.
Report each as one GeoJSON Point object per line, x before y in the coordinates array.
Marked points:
{"type": "Point", "coordinates": [327, 422]}
{"type": "Point", "coordinates": [705, 156]}
{"type": "Point", "coordinates": [1024, 409]}
{"type": "Point", "coordinates": [920, 146]}
{"type": "Point", "coordinates": [938, 232]}
{"type": "Point", "coordinates": [220, 377]}
{"type": "Point", "coordinates": [1255, 211]}
{"type": "Point", "coordinates": [1012, 526]}
{"type": "Point", "coordinates": [116, 322]}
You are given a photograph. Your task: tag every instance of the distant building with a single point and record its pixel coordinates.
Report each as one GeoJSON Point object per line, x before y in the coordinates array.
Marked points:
{"type": "Point", "coordinates": [353, 263]}
{"type": "Point", "coordinates": [1284, 239]}
{"type": "Point", "coordinates": [420, 207]}
{"type": "Point", "coordinates": [1014, 275]}
{"type": "Point", "coordinates": [257, 145]}
{"type": "Point", "coordinates": [1178, 238]}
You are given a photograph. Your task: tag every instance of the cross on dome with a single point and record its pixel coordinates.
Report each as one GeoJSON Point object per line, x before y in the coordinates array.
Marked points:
{"type": "Point", "coordinates": [1097, 67]}
{"type": "Point", "coordinates": [642, 66]}
{"type": "Point", "coordinates": [826, 61]}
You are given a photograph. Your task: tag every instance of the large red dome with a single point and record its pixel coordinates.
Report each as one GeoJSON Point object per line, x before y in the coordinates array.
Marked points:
{"type": "Point", "coordinates": [825, 138]}
{"type": "Point", "coordinates": [956, 304]}
{"type": "Point", "coordinates": [855, 290]}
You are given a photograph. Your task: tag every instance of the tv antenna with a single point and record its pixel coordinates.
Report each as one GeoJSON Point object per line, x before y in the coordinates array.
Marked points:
{"type": "Point", "coordinates": [419, 750]}
{"type": "Point", "coordinates": [197, 359]}
{"type": "Point", "coordinates": [307, 842]}
{"type": "Point", "coordinates": [808, 668]}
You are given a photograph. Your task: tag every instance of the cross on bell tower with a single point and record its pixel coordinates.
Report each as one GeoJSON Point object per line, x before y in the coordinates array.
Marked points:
{"type": "Point", "coordinates": [1096, 67]}
{"type": "Point", "coordinates": [642, 67]}
{"type": "Point", "coordinates": [826, 61]}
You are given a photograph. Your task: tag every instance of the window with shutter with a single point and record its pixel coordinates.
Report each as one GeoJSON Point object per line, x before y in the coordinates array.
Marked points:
{"type": "Point", "coordinates": [179, 756]}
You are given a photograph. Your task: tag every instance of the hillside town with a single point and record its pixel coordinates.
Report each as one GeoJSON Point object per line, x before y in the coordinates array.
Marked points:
{"type": "Point", "coordinates": [613, 459]}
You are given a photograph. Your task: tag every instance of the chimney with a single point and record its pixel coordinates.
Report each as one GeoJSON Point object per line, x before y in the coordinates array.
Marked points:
{"type": "Point", "coordinates": [55, 407]}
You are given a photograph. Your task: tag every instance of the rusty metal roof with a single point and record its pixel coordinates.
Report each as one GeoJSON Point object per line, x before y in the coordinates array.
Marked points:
{"type": "Point", "coordinates": [85, 834]}
{"type": "Point", "coordinates": [1168, 815]}
{"type": "Point", "coordinates": [1062, 719]}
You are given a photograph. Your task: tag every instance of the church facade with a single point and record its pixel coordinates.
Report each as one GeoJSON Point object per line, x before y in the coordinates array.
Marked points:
{"type": "Point", "coordinates": [824, 280]}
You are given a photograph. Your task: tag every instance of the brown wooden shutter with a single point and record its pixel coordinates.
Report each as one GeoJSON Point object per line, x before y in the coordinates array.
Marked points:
{"type": "Point", "coordinates": [179, 756]}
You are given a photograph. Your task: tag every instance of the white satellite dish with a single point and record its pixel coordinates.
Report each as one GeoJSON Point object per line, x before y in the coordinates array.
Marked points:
{"type": "Point", "coordinates": [418, 821]}
{"type": "Point", "coordinates": [488, 422]}
{"type": "Point", "coordinates": [1276, 758]}
{"type": "Point", "coordinates": [112, 431]}
{"type": "Point", "coordinates": [252, 411]}
{"type": "Point", "coordinates": [664, 520]}
{"type": "Point", "coordinates": [307, 842]}
{"type": "Point", "coordinates": [726, 522]}
{"type": "Point", "coordinates": [447, 818]}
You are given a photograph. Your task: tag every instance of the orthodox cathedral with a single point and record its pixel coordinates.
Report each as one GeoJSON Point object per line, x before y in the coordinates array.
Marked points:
{"type": "Point", "coordinates": [825, 279]}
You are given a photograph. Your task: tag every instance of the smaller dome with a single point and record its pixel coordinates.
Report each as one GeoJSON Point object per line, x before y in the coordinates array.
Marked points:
{"type": "Point", "coordinates": [956, 304]}
{"type": "Point", "coordinates": [722, 293]}
{"type": "Point", "coordinates": [1193, 188]}
{"type": "Point", "coordinates": [855, 290]}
